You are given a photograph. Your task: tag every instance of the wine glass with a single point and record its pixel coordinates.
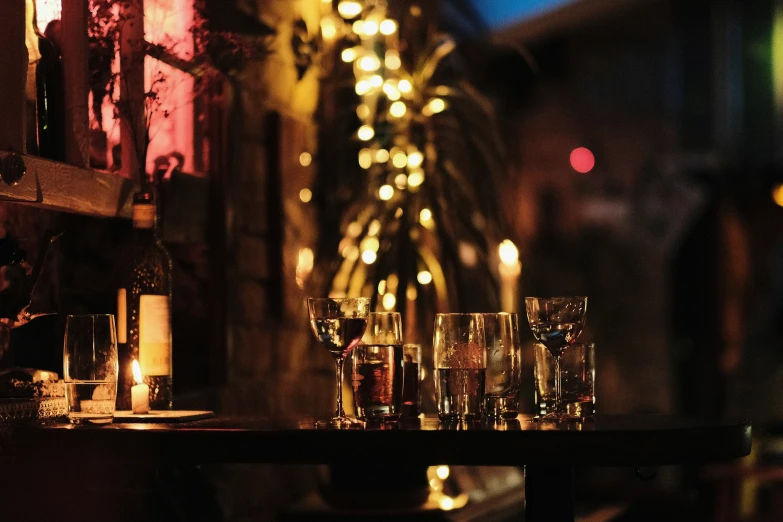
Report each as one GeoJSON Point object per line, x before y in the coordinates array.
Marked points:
{"type": "Point", "coordinates": [339, 324]}
{"type": "Point", "coordinates": [556, 323]}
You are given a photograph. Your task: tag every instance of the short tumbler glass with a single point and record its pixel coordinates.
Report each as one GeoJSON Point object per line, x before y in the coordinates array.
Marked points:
{"type": "Point", "coordinates": [90, 368]}
{"type": "Point", "coordinates": [501, 395]}
{"type": "Point", "coordinates": [377, 368]}
{"type": "Point", "coordinates": [577, 373]}
{"type": "Point", "coordinates": [411, 379]}
{"type": "Point", "coordinates": [460, 366]}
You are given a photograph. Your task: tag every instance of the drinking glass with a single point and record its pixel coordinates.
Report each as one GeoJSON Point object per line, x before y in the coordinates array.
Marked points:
{"type": "Point", "coordinates": [577, 376]}
{"type": "Point", "coordinates": [460, 366]}
{"type": "Point", "coordinates": [377, 368]}
{"type": "Point", "coordinates": [411, 378]}
{"type": "Point", "coordinates": [339, 325]}
{"type": "Point", "coordinates": [556, 323]}
{"type": "Point", "coordinates": [501, 395]}
{"type": "Point", "coordinates": [90, 368]}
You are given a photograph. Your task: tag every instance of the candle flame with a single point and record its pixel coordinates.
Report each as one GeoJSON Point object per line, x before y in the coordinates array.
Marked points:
{"type": "Point", "coordinates": [508, 252]}
{"type": "Point", "coordinates": [136, 372]}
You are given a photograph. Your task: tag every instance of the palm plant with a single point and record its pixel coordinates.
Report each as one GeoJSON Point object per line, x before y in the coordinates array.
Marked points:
{"type": "Point", "coordinates": [414, 223]}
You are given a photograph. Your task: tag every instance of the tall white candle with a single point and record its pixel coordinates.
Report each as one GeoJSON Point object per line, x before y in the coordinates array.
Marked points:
{"type": "Point", "coordinates": [509, 270]}
{"type": "Point", "coordinates": [140, 393]}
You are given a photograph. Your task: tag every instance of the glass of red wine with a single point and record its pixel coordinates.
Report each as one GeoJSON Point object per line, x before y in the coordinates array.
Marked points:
{"type": "Point", "coordinates": [556, 323]}
{"type": "Point", "coordinates": [339, 324]}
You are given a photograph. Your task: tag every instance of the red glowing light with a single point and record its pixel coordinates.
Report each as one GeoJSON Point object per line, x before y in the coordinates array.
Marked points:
{"type": "Point", "coordinates": [582, 160]}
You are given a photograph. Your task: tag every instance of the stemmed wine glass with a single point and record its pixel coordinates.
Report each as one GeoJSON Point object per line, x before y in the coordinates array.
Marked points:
{"type": "Point", "coordinates": [339, 324]}
{"type": "Point", "coordinates": [556, 323]}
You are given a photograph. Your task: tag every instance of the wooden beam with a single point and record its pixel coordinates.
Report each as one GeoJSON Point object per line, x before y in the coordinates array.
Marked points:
{"type": "Point", "coordinates": [133, 123]}
{"type": "Point", "coordinates": [76, 79]}
{"type": "Point", "coordinates": [13, 65]}
{"type": "Point", "coordinates": [58, 186]}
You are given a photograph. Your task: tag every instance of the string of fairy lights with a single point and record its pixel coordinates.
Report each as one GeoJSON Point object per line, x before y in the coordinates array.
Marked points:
{"type": "Point", "coordinates": [394, 105]}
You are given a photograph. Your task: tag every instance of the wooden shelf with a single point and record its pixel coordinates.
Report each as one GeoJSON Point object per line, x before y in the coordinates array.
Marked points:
{"type": "Point", "coordinates": [58, 186]}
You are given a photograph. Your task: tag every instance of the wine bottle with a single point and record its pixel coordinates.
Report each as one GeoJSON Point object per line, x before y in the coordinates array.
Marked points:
{"type": "Point", "coordinates": [144, 311]}
{"type": "Point", "coordinates": [50, 99]}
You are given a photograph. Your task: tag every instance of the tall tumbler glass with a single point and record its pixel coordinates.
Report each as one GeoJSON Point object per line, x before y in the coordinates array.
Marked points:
{"type": "Point", "coordinates": [460, 366]}
{"type": "Point", "coordinates": [377, 368]}
{"type": "Point", "coordinates": [501, 395]}
{"type": "Point", "coordinates": [90, 368]}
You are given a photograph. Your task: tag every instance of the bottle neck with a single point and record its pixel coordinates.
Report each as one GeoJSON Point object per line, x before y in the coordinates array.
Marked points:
{"type": "Point", "coordinates": [144, 221]}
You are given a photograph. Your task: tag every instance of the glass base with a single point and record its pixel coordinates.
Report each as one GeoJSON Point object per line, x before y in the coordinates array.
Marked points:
{"type": "Point", "coordinates": [339, 423]}
{"type": "Point", "coordinates": [501, 407]}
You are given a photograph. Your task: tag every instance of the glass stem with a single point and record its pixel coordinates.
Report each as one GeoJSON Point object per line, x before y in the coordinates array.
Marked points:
{"type": "Point", "coordinates": [340, 412]}
{"type": "Point", "coordinates": [558, 386]}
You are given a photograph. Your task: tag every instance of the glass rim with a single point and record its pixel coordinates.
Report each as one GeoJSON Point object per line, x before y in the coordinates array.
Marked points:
{"type": "Point", "coordinates": [309, 299]}
{"type": "Point", "coordinates": [581, 297]}
{"type": "Point", "coordinates": [510, 314]}
{"type": "Point", "coordinates": [457, 314]}
{"type": "Point", "coordinates": [384, 313]}
{"type": "Point", "coordinates": [588, 344]}
{"type": "Point", "coordinates": [88, 315]}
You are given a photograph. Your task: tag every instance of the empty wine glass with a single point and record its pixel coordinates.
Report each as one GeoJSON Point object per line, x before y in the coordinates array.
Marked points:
{"type": "Point", "coordinates": [339, 324]}
{"type": "Point", "coordinates": [556, 323]}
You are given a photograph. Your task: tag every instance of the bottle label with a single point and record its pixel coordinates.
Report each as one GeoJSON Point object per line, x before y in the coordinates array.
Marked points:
{"type": "Point", "coordinates": [143, 216]}
{"type": "Point", "coordinates": [154, 335]}
{"type": "Point", "coordinates": [122, 316]}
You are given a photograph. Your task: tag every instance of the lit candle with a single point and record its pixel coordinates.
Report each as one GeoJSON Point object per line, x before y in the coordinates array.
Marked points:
{"type": "Point", "coordinates": [140, 393]}
{"type": "Point", "coordinates": [509, 269]}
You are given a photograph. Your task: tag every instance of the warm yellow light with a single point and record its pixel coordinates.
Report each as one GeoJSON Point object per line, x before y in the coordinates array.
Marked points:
{"type": "Point", "coordinates": [425, 215]}
{"type": "Point", "coordinates": [136, 370]}
{"type": "Point", "coordinates": [381, 155]}
{"type": "Point", "coordinates": [365, 133]}
{"type": "Point", "coordinates": [349, 8]}
{"type": "Point", "coordinates": [348, 55]}
{"type": "Point", "coordinates": [374, 228]}
{"type": "Point", "coordinates": [305, 195]}
{"type": "Point", "coordinates": [363, 87]}
{"type": "Point", "coordinates": [369, 257]}
{"type": "Point", "coordinates": [508, 252]}
{"type": "Point", "coordinates": [398, 109]}
{"type": "Point", "coordinates": [436, 105]}
{"type": "Point", "coordinates": [398, 212]}
{"type": "Point", "coordinates": [446, 503]}
{"type": "Point", "coordinates": [415, 159]}
{"type": "Point", "coordinates": [365, 158]}
{"type": "Point", "coordinates": [411, 293]}
{"type": "Point", "coordinates": [376, 80]}
{"type": "Point", "coordinates": [392, 281]}
{"type": "Point", "coordinates": [442, 472]}
{"type": "Point", "coordinates": [388, 301]}
{"type": "Point", "coordinates": [328, 28]}
{"type": "Point", "coordinates": [382, 286]}
{"type": "Point", "coordinates": [391, 91]}
{"type": "Point", "coordinates": [415, 10]}
{"type": "Point", "coordinates": [354, 229]}
{"type": "Point", "coordinates": [304, 266]}
{"type": "Point", "coordinates": [392, 60]}
{"type": "Point", "coordinates": [370, 243]}
{"type": "Point", "coordinates": [358, 26]}
{"type": "Point", "coordinates": [370, 62]}
{"type": "Point", "coordinates": [424, 277]}
{"type": "Point", "coordinates": [415, 178]}
{"type": "Point", "coordinates": [363, 111]}
{"type": "Point", "coordinates": [351, 253]}
{"type": "Point", "coordinates": [777, 194]}
{"type": "Point", "coordinates": [388, 27]}
{"type": "Point", "coordinates": [399, 160]}
{"type": "Point", "coordinates": [386, 192]}
{"type": "Point", "coordinates": [400, 181]}
{"type": "Point", "coordinates": [404, 86]}
{"type": "Point", "coordinates": [370, 27]}
{"type": "Point", "coordinates": [305, 159]}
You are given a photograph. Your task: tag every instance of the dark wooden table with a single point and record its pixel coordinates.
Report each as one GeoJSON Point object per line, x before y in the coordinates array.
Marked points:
{"type": "Point", "coordinates": [549, 452]}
